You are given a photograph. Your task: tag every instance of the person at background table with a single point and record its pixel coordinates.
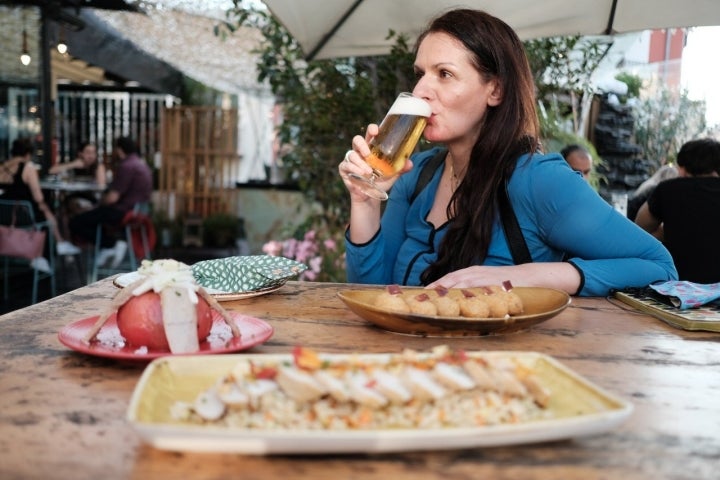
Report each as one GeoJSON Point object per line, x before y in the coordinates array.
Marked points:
{"type": "Point", "coordinates": [19, 180]}
{"type": "Point", "coordinates": [85, 165]}
{"type": "Point", "coordinates": [131, 184]}
{"type": "Point", "coordinates": [643, 192]}
{"type": "Point", "coordinates": [472, 69]}
{"type": "Point", "coordinates": [579, 159]}
{"type": "Point", "coordinates": [688, 207]}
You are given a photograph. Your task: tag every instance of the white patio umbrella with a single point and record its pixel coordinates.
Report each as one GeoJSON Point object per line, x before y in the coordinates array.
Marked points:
{"type": "Point", "coordinates": [343, 28]}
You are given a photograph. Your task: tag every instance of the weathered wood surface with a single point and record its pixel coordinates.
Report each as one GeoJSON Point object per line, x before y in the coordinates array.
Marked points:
{"type": "Point", "coordinates": [62, 413]}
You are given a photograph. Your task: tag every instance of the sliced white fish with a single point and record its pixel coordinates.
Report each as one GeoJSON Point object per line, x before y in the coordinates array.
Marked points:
{"type": "Point", "coordinates": [231, 393]}
{"type": "Point", "coordinates": [363, 394]}
{"type": "Point", "coordinates": [540, 394]}
{"type": "Point", "coordinates": [209, 405]}
{"type": "Point", "coordinates": [180, 319]}
{"type": "Point", "coordinates": [334, 385]}
{"type": "Point", "coordinates": [260, 387]}
{"type": "Point", "coordinates": [391, 387]}
{"type": "Point", "coordinates": [422, 385]}
{"type": "Point", "coordinates": [480, 374]}
{"type": "Point", "coordinates": [452, 376]}
{"type": "Point", "coordinates": [299, 385]}
{"type": "Point", "coordinates": [507, 382]}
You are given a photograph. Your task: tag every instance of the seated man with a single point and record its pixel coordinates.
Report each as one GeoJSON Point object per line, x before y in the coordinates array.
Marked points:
{"type": "Point", "coordinates": [579, 159]}
{"type": "Point", "coordinates": [689, 209]}
{"type": "Point", "coordinates": [131, 184]}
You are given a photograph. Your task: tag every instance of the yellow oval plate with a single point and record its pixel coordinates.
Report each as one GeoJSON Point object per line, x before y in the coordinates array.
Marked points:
{"type": "Point", "coordinates": [539, 304]}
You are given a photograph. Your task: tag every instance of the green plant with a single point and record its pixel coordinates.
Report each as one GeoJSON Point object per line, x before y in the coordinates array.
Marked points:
{"type": "Point", "coordinates": [634, 83]}
{"type": "Point", "coordinates": [221, 230]}
{"type": "Point", "coordinates": [325, 103]}
{"type": "Point", "coordinates": [666, 120]}
{"type": "Point", "coordinates": [563, 68]}
{"type": "Point", "coordinates": [169, 231]}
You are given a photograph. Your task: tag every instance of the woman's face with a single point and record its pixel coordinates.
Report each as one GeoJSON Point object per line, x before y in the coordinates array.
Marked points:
{"type": "Point", "coordinates": [89, 154]}
{"type": "Point", "coordinates": [454, 88]}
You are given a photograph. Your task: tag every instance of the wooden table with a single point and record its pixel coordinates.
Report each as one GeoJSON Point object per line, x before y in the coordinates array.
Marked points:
{"type": "Point", "coordinates": [62, 412]}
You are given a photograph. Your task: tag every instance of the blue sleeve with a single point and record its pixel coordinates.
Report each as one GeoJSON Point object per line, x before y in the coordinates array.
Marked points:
{"type": "Point", "coordinates": [373, 262]}
{"type": "Point", "coordinates": [609, 250]}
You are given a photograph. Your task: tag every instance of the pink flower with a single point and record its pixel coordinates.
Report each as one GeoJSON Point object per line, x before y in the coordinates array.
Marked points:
{"type": "Point", "coordinates": [330, 244]}
{"type": "Point", "coordinates": [273, 248]}
{"type": "Point", "coordinates": [315, 264]}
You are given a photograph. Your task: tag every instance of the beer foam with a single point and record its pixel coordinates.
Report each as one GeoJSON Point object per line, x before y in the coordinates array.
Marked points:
{"type": "Point", "coordinates": [410, 106]}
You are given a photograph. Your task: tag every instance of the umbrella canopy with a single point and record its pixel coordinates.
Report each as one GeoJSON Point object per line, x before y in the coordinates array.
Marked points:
{"type": "Point", "coordinates": [344, 28]}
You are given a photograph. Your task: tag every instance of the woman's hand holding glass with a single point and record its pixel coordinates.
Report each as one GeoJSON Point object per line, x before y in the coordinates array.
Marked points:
{"type": "Point", "coordinates": [386, 150]}
{"type": "Point", "coordinates": [353, 164]}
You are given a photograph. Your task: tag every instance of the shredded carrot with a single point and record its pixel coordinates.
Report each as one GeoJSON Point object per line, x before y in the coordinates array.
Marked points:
{"type": "Point", "coordinates": [306, 358]}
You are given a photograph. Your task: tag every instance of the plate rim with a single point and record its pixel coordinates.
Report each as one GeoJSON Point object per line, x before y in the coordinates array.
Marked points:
{"type": "Point", "coordinates": [460, 326]}
{"type": "Point", "coordinates": [169, 436]}
{"type": "Point", "coordinates": [69, 341]}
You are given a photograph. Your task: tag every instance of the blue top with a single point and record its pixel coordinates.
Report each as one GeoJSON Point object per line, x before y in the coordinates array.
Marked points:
{"type": "Point", "coordinates": [558, 213]}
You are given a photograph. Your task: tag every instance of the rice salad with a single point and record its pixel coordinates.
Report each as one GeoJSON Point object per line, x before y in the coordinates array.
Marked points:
{"type": "Point", "coordinates": [410, 390]}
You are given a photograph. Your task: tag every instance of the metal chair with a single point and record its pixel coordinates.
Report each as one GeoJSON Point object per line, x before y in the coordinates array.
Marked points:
{"type": "Point", "coordinates": [25, 218]}
{"type": "Point", "coordinates": [138, 232]}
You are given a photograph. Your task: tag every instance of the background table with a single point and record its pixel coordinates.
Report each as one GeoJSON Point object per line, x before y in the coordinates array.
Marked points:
{"type": "Point", "coordinates": [62, 413]}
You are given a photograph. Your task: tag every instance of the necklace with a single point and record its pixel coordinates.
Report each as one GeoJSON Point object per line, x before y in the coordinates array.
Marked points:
{"type": "Point", "coordinates": [454, 180]}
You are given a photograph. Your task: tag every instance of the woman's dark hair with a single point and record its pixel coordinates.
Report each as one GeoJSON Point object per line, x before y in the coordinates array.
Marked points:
{"type": "Point", "coordinates": [83, 146]}
{"type": "Point", "coordinates": [128, 145]}
{"type": "Point", "coordinates": [509, 130]}
{"type": "Point", "coordinates": [21, 147]}
{"type": "Point", "coordinates": [700, 157]}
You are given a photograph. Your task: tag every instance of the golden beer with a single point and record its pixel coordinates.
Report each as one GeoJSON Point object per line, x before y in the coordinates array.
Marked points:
{"type": "Point", "coordinates": [398, 135]}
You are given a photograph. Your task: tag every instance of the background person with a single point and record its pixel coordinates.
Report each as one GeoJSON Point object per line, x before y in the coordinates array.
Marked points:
{"type": "Point", "coordinates": [579, 159]}
{"type": "Point", "coordinates": [643, 192]}
{"type": "Point", "coordinates": [131, 184]}
{"type": "Point", "coordinates": [688, 207]}
{"type": "Point", "coordinates": [19, 180]}
{"type": "Point", "coordinates": [86, 165]}
{"type": "Point", "coordinates": [472, 69]}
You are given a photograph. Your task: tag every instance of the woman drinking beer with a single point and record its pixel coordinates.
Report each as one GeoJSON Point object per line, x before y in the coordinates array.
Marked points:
{"type": "Point", "coordinates": [450, 214]}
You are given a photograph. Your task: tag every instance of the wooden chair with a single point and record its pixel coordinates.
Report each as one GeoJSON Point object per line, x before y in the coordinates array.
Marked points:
{"type": "Point", "coordinates": [139, 233]}
{"type": "Point", "coordinates": [25, 218]}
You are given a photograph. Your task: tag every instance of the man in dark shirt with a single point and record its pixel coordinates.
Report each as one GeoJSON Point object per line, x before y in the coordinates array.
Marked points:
{"type": "Point", "coordinates": [131, 184]}
{"type": "Point", "coordinates": [688, 207]}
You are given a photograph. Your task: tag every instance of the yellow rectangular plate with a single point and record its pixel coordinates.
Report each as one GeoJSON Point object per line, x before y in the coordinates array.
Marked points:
{"type": "Point", "coordinates": [578, 408]}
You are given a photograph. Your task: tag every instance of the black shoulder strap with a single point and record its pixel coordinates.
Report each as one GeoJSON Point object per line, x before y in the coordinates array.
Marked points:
{"type": "Point", "coordinates": [513, 234]}
{"type": "Point", "coordinates": [511, 227]}
{"type": "Point", "coordinates": [427, 172]}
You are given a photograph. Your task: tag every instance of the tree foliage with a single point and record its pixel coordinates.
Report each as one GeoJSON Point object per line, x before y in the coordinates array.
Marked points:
{"type": "Point", "coordinates": [563, 69]}
{"type": "Point", "coordinates": [325, 104]}
{"type": "Point", "coordinates": [665, 121]}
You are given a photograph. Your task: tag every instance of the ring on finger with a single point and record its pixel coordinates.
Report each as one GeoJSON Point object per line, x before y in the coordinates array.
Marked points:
{"type": "Point", "coordinates": [347, 155]}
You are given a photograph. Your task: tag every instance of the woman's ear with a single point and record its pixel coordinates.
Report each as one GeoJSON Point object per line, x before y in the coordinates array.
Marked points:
{"type": "Point", "coordinates": [495, 97]}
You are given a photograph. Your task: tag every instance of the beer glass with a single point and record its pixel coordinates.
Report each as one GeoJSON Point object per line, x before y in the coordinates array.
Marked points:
{"type": "Point", "coordinates": [397, 137]}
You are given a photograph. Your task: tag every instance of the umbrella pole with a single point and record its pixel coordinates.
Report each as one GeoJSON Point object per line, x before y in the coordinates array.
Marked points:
{"type": "Point", "coordinates": [46, 106]}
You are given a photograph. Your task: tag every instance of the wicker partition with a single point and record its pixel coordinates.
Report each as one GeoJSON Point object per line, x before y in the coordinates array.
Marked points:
{"type": "Point", "coordinates": [200, 160]}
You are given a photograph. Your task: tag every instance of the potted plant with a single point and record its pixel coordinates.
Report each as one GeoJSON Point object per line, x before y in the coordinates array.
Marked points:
{"type": "Point", "coordinates": [220, 230]}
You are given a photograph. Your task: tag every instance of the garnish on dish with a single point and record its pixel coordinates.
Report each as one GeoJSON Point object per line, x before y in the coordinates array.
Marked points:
{"type": "Point", "coordinates": [443, 388]}
{"type": "Point", "coordinates": [164, 310]}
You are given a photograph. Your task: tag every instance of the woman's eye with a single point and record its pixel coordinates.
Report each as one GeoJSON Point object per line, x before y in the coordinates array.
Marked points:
{"type": "Point", "coordinates": [445, 74]}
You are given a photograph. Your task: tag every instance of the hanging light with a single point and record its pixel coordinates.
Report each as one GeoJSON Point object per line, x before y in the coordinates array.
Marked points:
{"type": "Point", "coordinates": [62, 47]}
{"type": "Point", "coordinates": [25, 57]}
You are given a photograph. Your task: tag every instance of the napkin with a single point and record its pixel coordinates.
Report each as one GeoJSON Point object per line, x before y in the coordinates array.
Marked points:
{"type": "Point", "coordinates": [245, 273]}
{"type": "Point", "coordinates": [685, 295]}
